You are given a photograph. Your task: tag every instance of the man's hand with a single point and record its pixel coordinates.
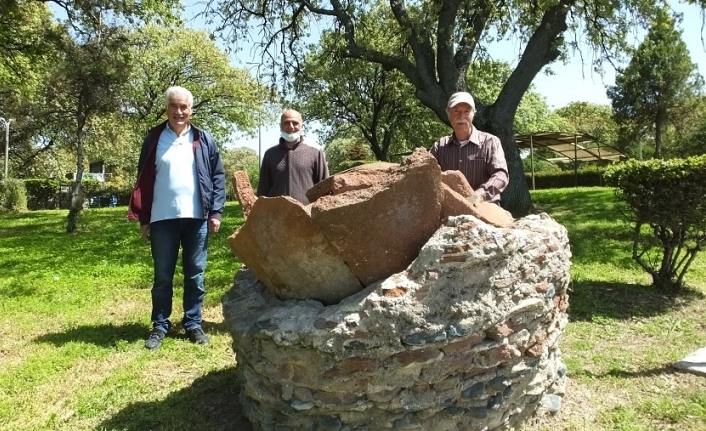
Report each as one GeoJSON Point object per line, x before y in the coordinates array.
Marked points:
{"type": "Point", "coordinates": [145, 231]}
{"type": "Point", "coordinates": [213, 225]}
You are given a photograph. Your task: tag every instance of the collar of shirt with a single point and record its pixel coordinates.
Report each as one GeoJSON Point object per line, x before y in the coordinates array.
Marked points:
{"type": "Point", "coordinates": [183, 137]}
{"type": "Point", "coordinates": [296, 144]}
{"type": "Point", "coordinates": [474, 138]}
{"type": "Point", "coordinates": [184, 133]}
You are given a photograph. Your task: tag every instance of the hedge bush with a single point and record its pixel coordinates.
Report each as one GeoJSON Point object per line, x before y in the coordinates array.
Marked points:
{"type": "Point", "coordinates": [668, 198]}
{"type": "Point", "coordinates": [13, 196]}
{"type": "Point", "coordinates": [585, 177]}
{"type": "Point", "coordinates": [45, 193]}
{"type": "Point", "coordinates": [42, 193]}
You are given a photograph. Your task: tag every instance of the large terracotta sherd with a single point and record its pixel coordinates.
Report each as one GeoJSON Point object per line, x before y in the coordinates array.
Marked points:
{"type": "Point", "coordinates": [289, 253]}
{"type": "Point", "coordinates": [357, 178]}
{"type": "Point", "coordinates": [379, 230]}
{"type": "Point", "coordinates": [244, 192]}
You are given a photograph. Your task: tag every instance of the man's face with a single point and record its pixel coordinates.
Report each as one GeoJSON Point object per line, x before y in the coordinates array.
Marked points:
{"type": "Point", "coordinates": [291, 122]}
{"type": "Point", "coordinates": [461, 118]}
{"type": "Point", "coordinates": [178, 111]}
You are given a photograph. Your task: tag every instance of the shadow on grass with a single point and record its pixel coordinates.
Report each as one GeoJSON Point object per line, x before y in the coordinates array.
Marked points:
{"type": "Point", "coordinates": [100, 335]}
{"type": "Point", "coordinates": [622, 374]}
{"type": "Point", "coordinates": [18, 288]}
{"type": "Point", "coordinates": [109, 335]}
{"type": "Point", "coordinates": [210, 327]}
{"type": "Point", "coordinates": [211, 403]}
{"type": "Point", "coordinates": [589, 299]}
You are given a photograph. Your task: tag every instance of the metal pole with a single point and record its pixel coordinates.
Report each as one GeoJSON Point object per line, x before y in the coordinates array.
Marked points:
{"type": "Point", "coordinates": [7, 143]}
{"type": "Point", "coordinates": [259, 140]}
{"type": "Point", "coordinates": [576, 162]}
{"type": "Point", "coordinates": [7, 146]}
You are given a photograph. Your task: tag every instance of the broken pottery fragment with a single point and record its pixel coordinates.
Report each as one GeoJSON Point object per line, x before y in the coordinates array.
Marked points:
{"type": "Point", "coordinates": [289, 253]}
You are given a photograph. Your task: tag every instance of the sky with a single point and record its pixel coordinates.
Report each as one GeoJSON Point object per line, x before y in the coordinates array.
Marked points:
{"type": "Point", "coordinates": [571, 82]}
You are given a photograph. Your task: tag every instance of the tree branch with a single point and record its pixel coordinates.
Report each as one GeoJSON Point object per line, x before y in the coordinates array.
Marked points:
{"type": "Point", "coordinates": [542, 49]}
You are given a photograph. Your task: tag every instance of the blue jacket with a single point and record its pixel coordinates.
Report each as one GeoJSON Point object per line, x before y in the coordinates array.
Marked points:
{"type": "Point", "coordinates": [209, 169]}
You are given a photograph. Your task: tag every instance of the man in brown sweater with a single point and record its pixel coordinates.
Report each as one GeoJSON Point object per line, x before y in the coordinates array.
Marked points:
{"type": "Point", "coordinates": [292, 167]}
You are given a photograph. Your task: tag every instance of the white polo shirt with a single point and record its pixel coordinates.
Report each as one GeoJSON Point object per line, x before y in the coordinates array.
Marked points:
{"type": "Point", "coordinates": [176, 187]}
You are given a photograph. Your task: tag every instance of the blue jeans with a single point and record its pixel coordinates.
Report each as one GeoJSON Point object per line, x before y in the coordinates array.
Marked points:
{"type": "Point", "coordinates": [165, 238]}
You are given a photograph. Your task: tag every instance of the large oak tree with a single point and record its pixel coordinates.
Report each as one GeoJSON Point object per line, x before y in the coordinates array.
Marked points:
{"type": "Point", "coordinates": [443, 37]}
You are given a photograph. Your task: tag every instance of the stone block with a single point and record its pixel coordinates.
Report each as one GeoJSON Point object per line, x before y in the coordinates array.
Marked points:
{"type": "Point", "coordinates": [499, 332]}
{"type": "Point", "coordinates": [419, 355]}
{"type": "Point", "coordinates": [492, 214]}
{"type": "Point", "coordinates": [336, 398]}
{"type": "Point", "coordinates": [290, 254]}
{"type": "Point", "coordinates": [353, 365]}
{"type": "Point", "coordinates": [383, 396]}
{"type": "Point", "coordinates": [462, 345]}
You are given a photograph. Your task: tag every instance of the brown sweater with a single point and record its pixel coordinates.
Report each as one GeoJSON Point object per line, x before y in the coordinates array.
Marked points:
{"type": "Point", "coordinates": [291, 172]}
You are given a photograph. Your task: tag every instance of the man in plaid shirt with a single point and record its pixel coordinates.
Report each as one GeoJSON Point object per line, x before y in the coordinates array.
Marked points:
{"type": "Point", "coordinates": [478, 155]}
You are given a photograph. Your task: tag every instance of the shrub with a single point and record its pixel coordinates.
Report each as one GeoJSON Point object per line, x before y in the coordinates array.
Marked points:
{"type": "Point", "coordinates": [669, 197]}
{"type": "Point", "coordinates": [585, 177]}
{"type": "Point", "coordinates": [13, 196]}
{"type": "Point", "coordinates": [91, 187]}
{"type": "Point", "coordinates": [347, 164]}
{"type": "Point", "coordinates": [42, 193]}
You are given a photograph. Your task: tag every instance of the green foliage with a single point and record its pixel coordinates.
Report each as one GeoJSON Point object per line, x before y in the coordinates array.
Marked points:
{"type": "Point", "coordinates": [226, 99]}
{"type": "Point", "coordinates": [667, 197]}
{"type": "Point", "coordinates": [27, 35]}
{"type": "Point", "coordinates": [359, 100]}
{"type": "Point", "coordinates": [91, 187]}
{"type": "Point", "coordinates": [691, 136]}
{"type": "Point", "coordinates": [82, 13]}
{"type": "Point", "coordinates": [539, 165]}
{"type": "Point", "coordinates": [590, 118]}
{"type": "Point", "coordinates": [342, 154]}
{"type": "Point", "coordinates": [240, 159]}
{"type": "Point", "coordinates": [591, 176]}
{"type": "Point", "coordinates": [42, 193]}
{"type": "Point", "coordinates": [485, 78]}
{"type": "Point", "coordinates": [13, 196]}
{"type": "Point", "coordinates": [659, 86]}
{"type": "Point", "coordinates": [347, 164]}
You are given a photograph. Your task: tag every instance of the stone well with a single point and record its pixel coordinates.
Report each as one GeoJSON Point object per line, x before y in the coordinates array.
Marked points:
{"type": "Point", "coordinates": [465, 338]}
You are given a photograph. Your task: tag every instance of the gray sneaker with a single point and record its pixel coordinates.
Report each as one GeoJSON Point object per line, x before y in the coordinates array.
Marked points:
{"type": "Point", "coordinates": [196, 335]}
{"type": "Point", "coordinates": [155, 339]}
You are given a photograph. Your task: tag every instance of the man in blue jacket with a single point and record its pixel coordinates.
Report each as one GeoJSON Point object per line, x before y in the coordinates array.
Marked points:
{"type": "Point", "coordinates": [179, 198]}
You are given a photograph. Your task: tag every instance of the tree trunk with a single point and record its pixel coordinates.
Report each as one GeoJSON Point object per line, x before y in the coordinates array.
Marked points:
{"type": "Point", "coordinates": [516, 197]}
{"type": "Point", "coordinates": [658, 139]}
{"type": "Point", "coordinates": [76, 206]}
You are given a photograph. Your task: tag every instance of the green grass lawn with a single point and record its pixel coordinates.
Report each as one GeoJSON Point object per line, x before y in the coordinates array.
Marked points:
{"type": "Point", "coordinates": [74, 313]}
{"type": "Point", "coordinates": [623, 335]}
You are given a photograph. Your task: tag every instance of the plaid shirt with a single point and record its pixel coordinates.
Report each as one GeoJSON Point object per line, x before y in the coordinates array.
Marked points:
{"type": "Point", "coordinates": [481, 160]}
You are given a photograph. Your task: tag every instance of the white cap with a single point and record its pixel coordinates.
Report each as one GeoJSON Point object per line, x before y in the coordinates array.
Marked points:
{"type": "Point", "coordinates": [461, 97]}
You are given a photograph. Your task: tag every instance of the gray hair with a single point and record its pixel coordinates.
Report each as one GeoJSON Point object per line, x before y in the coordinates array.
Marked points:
{"type": "Point", "coordinates": [177, 91]}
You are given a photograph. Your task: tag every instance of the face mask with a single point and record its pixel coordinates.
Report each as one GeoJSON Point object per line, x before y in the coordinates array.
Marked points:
{"type": "Point", "coordinates": [291, 137]}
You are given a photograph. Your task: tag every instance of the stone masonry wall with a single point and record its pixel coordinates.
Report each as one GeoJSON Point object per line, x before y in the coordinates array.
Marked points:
{"type": "Point", "coordinates": [466, 338]}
